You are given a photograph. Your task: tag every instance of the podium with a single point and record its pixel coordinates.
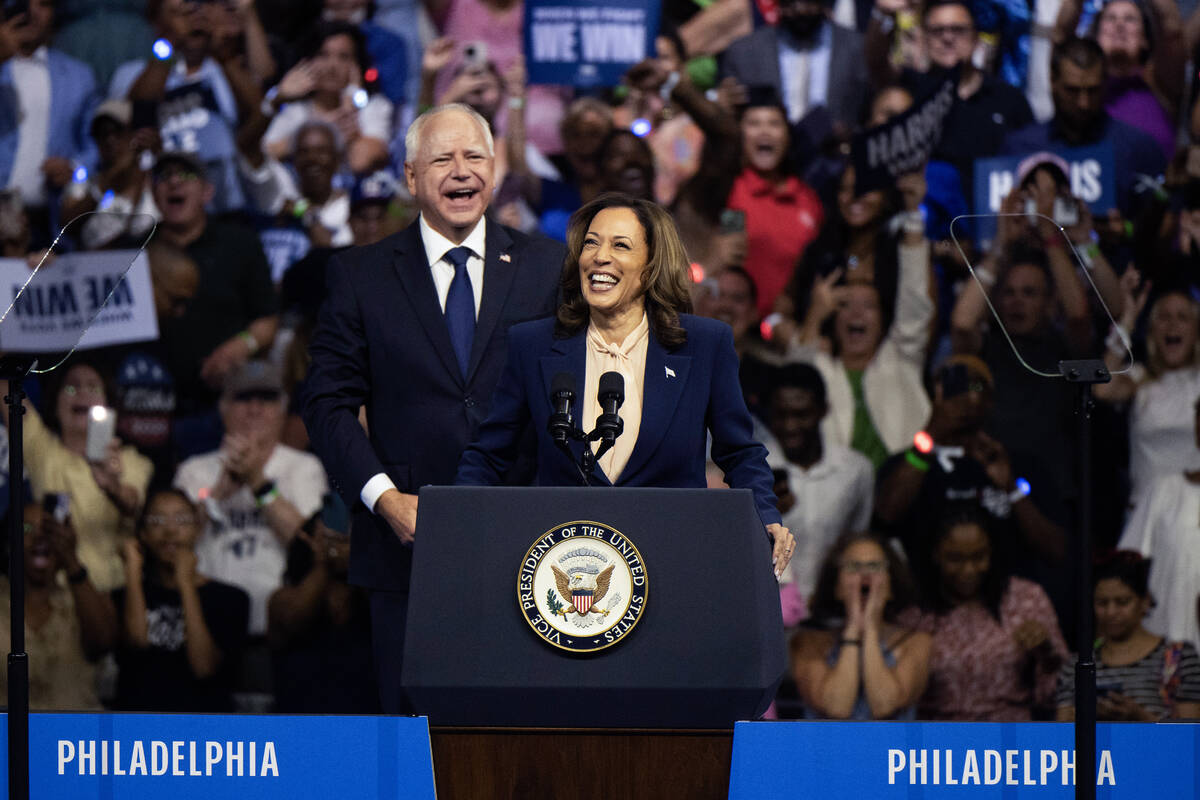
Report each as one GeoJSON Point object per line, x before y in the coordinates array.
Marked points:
{"type": "Point", "coordinates": [707, 649]}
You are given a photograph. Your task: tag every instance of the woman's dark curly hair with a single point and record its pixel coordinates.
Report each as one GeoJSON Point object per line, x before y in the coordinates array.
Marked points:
{"type": "Point", "coordinates": [665, 278]}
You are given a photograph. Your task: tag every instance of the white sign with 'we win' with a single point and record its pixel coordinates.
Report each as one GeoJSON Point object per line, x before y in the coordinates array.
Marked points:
{"type": "Point", "coordinates": [101, 297]}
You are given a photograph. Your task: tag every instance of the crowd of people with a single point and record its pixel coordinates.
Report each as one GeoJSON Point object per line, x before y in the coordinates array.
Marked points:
{"type": "Point", "coordinates": [895, 348]}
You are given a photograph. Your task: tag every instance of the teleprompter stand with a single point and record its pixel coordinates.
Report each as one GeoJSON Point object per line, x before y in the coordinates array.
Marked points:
{"type": "Point", "coordinates": [1084, 374]}
{"type": "Point", "coordinates": [14, 369]}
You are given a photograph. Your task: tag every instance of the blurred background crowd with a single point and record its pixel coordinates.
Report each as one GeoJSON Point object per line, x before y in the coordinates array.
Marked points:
{"type": "Point", "coordinates": [930, 477]}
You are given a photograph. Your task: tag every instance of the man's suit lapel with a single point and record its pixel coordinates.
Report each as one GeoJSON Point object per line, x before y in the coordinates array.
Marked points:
{"type": "Point", "coordinates": [499, 270]}
{"type": "Point", "coordinates": [570, 356]}
{"type": "Point", "coordinates": [666, 375]}
{"type": "Point", "coordinates": [412, 267]}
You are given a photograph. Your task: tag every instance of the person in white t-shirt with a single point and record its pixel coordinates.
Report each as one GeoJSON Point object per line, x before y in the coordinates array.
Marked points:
{"type": "Point", "coordinates": [256, 492]}
{"type": "Point", "coordinates": [830, 487]}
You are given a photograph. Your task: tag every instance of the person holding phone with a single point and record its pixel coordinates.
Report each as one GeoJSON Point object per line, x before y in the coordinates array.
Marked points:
{"type": "Point", "coordinates": [103, 489]}
{"type": "Point", "coordinates": [1140, 676]}
{"type": "Point", "coordinates": [856, 661]}
{"type": "Point", "coordinates": [69, 624]}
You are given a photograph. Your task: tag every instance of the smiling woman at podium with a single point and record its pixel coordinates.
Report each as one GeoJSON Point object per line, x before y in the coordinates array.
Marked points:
{"type": "Point", "coordinates": [655, 379]}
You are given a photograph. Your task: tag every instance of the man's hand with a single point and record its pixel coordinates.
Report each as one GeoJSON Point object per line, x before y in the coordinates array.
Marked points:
{"type": "Point", "coordinates": [992, 456]}
{"type": "Point", "coordinates": [228, 356]}
{"type": "Point", "coordinates": [1030, 635]}
{"type": "Point", "coordinates": [438, 55]}
{"type": "Point", "coordinates": [785, 545]}
{"type": "Point", "coordinates": [400, 511]}
{"type": "Point", "coordinates": [245, 458]}
{"type": "Point", "coordinates": [58, 171]}
{"type": "Point", "coordinates": [9, 36]}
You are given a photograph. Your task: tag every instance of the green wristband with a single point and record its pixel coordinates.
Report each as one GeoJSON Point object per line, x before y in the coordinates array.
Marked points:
{"type": "Point", "coordinates": [915, 461]}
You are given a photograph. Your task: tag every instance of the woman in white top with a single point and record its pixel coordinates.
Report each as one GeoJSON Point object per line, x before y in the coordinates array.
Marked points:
{"type": "Point", "coordinates": [1162, 390]}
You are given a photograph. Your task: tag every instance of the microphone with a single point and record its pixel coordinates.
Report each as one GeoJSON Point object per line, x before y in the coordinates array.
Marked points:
{"type": "Point", "coordinates": [610, 395]}
{"type": "Point", "coordinates": [562, 394]}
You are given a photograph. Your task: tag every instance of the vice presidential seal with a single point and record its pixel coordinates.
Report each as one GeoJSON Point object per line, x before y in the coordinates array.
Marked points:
{"type": "Point", "coordinates": [582, 586]}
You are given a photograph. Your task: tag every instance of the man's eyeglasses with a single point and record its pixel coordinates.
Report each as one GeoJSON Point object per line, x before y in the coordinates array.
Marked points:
{"type": "Point", "coordinates": [176, 520]}
{"type": "Point", "coordinates": [955, 31]}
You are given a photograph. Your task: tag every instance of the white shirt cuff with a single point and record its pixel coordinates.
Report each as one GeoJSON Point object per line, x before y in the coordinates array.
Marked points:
{"type": "Point", "coordinates": [374, 488]}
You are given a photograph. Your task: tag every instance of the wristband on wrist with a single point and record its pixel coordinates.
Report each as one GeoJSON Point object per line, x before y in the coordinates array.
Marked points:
{"type": "Point", "coordinates": [248, 337]}
{"type": "Point", "coordinates": [668, 86]}
{"type": "Point", "coordinates": [516, 103]}
{"type": "Point", "coordinates": [266, 494]}
{"type": "Point", "coordinates": [915, 461]}
{"type": "Point", "coordinates": [1118, 340]}
{"type": "Point", "coordinates": [268, 104]}
{"type": "Point", "coordinates": [985, 277]}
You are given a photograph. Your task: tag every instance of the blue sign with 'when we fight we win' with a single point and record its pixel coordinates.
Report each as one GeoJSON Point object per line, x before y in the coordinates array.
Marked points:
{"type": "Point", "coordinates": [587, 43]}
{"type": "Point", "coordinates": [179, 757]}
{"type": "Point", "coordinates": [1014, 761]}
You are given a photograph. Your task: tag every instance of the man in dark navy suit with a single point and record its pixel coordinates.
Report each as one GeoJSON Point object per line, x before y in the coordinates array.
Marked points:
{"type": "Point", "coordinates": [414, 329]}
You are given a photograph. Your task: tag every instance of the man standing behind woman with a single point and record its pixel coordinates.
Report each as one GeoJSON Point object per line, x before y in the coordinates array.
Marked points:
{"type": "Point", "coordinates": [414, 329]}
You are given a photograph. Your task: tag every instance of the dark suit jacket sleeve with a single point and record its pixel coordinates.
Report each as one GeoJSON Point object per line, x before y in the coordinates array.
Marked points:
{"type": "Point", "coordinates": [734, 449]}
{"type": "Point", "coordinates": [490, 457]}
{"type": "Point", "coordinates": [337, 387]}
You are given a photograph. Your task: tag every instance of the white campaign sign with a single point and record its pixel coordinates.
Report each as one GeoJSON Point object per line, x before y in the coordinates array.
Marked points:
{"type": "Point", "coordinates": [54, 310]}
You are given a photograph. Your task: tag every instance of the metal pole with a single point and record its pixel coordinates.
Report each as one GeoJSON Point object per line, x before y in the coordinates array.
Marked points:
{"type": "Point", "coordinates": [1085, 666]}
{"type": "Point", "coordinates": [18, 660]}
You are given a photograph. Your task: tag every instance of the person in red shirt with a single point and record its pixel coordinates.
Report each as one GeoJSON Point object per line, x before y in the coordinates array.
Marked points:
{"type": "Point", "coordinates": [782, 213]}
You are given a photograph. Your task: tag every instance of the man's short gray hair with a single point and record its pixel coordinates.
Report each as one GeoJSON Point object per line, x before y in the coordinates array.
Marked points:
{"type": "Point", "coordinates": [412, 138]}
{"type": "Point", "coordinates": [328, 128]}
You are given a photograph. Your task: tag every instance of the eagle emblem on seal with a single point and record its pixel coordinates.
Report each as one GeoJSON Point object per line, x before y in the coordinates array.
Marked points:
{"type": "Point", "coordinates": [583, 587]}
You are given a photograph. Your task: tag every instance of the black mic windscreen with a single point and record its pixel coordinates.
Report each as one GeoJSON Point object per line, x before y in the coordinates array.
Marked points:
{"type": "Point", "coordinates": [562, 383]}
{"type": "Point", "coordinates": [612, 384]}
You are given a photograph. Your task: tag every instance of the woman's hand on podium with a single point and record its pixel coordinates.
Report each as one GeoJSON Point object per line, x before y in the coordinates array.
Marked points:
{"type": "Point", "coordinates": [785, 545]}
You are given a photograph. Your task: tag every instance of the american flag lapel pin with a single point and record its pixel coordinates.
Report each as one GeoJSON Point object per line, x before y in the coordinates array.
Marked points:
{"type": "Point", "coordinates": [506, 258]}
{"type": "Point", "coordinates": [670, 372]}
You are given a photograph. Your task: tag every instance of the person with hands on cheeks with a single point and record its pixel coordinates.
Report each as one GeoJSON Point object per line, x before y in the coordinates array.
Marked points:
{"type": "Point", "coordinates": [626, 294]}
{"type": "Point", "coordinates": [180, 630]}
{"type": "Point", "coordinates": [997, 647]}
{"type": "Point", "coordinates": [861, 663]}
{"type": "Point", "coordinates": [104, 496]}
{"type": "Point", "coordinates": [68, 624]}
{"type": "Point", "coordinates": [1140, 676]}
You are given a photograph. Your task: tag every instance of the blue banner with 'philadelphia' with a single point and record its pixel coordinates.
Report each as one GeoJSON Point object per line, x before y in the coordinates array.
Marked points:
{"type": "Point", "coordinates": [179, 757]}
{"type": "Point", "coordinates": [1014, 761]}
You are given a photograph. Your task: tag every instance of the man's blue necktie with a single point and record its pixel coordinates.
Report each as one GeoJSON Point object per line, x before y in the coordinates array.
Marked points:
{"type": "Point", "coordinates": [460, 307]}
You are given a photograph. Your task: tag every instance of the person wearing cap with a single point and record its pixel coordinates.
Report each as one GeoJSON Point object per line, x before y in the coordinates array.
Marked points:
{"type": "Point", "coordinates": [234, 314]}
{"type": "Point", "coordinates": [257, 492]}
{"type": "Point", "coordinates": [49, 98]}
{"type": "Point", "coordinates": [120, 184]}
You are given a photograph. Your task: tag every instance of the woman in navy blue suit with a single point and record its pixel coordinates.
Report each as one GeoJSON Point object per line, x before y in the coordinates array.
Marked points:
{"type": "Point", "coordinates": [625, 290]}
